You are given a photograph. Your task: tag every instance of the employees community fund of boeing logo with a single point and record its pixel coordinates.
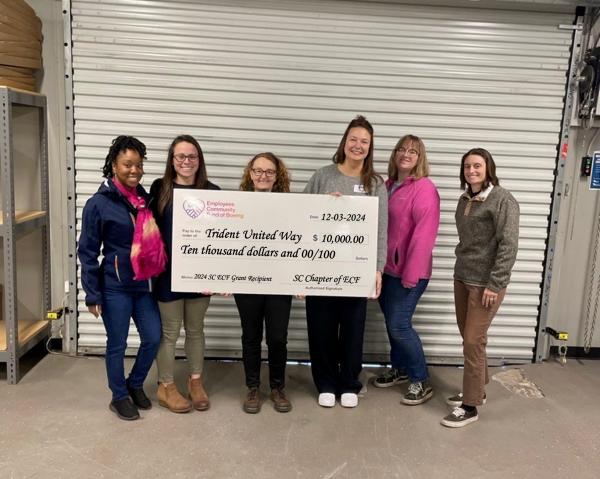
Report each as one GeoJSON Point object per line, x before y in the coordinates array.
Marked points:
{"type": "Point", "coordinates": [195, 208]}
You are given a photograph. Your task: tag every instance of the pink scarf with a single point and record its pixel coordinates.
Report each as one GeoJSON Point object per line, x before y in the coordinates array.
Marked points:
{"type": "Point", "coordinates": [148, 256]}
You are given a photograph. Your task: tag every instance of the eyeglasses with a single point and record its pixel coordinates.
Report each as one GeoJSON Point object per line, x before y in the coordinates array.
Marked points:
{"type": "Point", "coordinates": [409, 152]}
{"type": "Point", "coordinates": [258, 172]}
{"type": "Point", "coordinates": [180, 158]}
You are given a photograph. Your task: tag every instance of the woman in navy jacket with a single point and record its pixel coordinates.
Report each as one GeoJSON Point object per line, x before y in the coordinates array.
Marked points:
{"type": "Point", "coordinates": [116, 288]}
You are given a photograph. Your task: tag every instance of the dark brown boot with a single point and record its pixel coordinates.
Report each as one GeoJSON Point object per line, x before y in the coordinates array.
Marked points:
{"type": "Point", "coordinates": [198, 394]}
{"type": "Point", "coordinates": [280, 402]}
{"type": "Point", "coordinates": [252, 402]}
{"type": "Point", "coordinates": [168, 396]}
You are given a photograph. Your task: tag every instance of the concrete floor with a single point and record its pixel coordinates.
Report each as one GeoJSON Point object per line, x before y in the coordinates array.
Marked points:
{"type": "Point", "coordinates": [56, 424]}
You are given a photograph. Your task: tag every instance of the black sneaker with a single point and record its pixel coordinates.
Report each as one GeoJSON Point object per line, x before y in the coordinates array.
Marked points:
{"type": "Point", "coordinates": [417, 393]}
{"type": "Point", "coordinates": [125, 409]}
{"type": "Point", "coordinates": [389, 378]}
{"type": "Point", "coordinates": [139, 398]}
{"type": "Point", "coordinates": [460, 417]}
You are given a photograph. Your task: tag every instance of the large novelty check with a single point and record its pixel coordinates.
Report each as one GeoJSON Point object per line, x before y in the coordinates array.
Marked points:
{"type": "Point", "coordinates": [274, 243]}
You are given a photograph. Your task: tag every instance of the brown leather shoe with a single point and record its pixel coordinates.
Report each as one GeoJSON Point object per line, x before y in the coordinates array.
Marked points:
{"type": "Point", "coordinates": [198, 394]}
{"type": "Point", "coordinates": [252, 402]}
{"type": "Point", "coordinates": [169, 397]}
{"type": "Point", "coordinates": [280, 402]}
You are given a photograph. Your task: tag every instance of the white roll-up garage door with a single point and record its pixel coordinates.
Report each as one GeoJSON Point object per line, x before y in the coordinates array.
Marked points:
{"type": "Point", "coordinates": [245, 76]}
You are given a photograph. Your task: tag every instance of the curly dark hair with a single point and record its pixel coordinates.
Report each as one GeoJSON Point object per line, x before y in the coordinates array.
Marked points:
{"type": "Point", "coordinates": [120, 145]}
{"type": "Point", "coordinates": [368, 177]}
{"type": "Point", "coordinates": [282, 182]}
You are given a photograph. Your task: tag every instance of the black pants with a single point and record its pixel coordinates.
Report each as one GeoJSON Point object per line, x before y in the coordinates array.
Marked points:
{"type": "Point", "coordinates": [336, 327]}
{"type": "Point", "coordinates": [275, 310]}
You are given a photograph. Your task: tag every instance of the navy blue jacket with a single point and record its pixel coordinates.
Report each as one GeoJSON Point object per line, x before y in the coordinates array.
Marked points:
{"type": "Point", "coordinates": [162, 284]}
{"type": "Point", "coordinates": [108, 223]}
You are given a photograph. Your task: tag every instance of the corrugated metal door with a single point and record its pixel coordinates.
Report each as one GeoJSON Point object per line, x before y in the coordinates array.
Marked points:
{"type": "Point", "coordinates": [286, 76]}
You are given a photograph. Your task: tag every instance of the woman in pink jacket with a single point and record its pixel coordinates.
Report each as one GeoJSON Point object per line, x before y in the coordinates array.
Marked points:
{"type": "Point", "coordinates": [413, 221]}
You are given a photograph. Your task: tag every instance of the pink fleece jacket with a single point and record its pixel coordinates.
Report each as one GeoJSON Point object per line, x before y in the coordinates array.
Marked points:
{"type": "Point", "coordinates": [413, 222]}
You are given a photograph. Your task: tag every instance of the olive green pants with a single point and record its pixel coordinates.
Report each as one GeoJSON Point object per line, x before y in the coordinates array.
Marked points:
{"type": "Point", "coordinates": [190, 313]}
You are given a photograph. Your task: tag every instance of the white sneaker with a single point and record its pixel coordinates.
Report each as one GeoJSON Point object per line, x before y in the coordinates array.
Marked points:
{"type": "Point", "coordinates": [327, 399]}
{"type": "Point", "coordinates": [349, 400]}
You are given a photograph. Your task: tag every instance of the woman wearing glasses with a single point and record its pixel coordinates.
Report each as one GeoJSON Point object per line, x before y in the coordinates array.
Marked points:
{"type": "Point", "coordinates": [265, 173]}
{"type": "Point", "coordinates": [185, 169]}
{"type": "Point", "coordinates": [413, 222]}
{"type": "Point", "coordinates": [336, 324]}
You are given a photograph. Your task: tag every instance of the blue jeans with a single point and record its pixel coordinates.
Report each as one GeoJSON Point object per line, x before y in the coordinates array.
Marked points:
{"type": "Point", "coordinates": [398, 305]}
{"type": "Point", "coordinates": [117, 308]}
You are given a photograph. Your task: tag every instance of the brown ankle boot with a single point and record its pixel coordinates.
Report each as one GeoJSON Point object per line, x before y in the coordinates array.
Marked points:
{"type": "Point", "coordinates": [169, 397]}
{"type": "Point", "coordinates": [198, 394]}
{"type": "Point", "coordinates": [280, 401]}
{"type": "Point", "coordinates": [252, 402]}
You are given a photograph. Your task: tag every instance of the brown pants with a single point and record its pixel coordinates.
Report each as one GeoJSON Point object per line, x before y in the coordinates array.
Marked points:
{"type": "Point", "coordinates": [473, 323]}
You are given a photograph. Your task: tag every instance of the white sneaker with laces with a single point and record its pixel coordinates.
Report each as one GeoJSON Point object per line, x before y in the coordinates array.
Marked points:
{"type": "Point", "coordinates": [327, 399]}
{"type": "Point", "coordinates": [349, 400]}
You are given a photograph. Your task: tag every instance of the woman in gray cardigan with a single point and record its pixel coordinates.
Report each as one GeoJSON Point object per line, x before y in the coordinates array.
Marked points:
{"type": "Point", "coordinates": [487, 220]}
{"type": "Point", "coordinates": [336, 325]}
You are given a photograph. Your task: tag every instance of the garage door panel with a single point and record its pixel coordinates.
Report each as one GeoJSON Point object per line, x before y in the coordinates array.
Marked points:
{"type": "Point", "coordinates": [287, 76]}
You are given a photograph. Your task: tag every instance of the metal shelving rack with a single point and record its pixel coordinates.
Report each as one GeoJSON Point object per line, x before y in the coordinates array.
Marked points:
{"type": "Point", "coordinates": [21, 334]}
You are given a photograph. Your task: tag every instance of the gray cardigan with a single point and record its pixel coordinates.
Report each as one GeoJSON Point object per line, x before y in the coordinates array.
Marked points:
{"type": "Point", "coordinates": [488, 232]}
{"type": "Point", "coordinates": [329, 179]}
